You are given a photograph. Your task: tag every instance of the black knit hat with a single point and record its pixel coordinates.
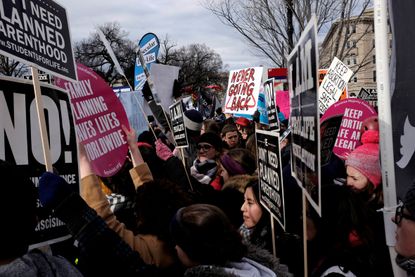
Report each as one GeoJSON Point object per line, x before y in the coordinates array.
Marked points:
{"type": "Point", "coordinates": [212, 139]}
{"type": "Point", "coordinates": [409, 201]}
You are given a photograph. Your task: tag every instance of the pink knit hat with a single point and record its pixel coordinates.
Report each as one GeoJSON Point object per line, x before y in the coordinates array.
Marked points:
{"type": "Point", "coordinates": [365, 158]}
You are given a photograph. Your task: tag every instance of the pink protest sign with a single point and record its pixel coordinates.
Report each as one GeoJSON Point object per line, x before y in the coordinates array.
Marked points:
{"type": "Point", "coordinates": [98, 118]}
{"type": "Point", "coordinates": [283, 101]}
{"type": "Point", "coordinates": [355, 111]}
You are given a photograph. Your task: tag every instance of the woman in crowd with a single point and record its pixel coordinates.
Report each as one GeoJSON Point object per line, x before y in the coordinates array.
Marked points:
{"type": "Point", "coordinates": [237, 161]}
{"type": "Point", "coordinates": [205, 166]}
{"type": "Point", "coordinates": [256, 228]}
{"type": "Point", "coordinates": [364, 175]}
{"type": "Point", "coordinates": [208, 245]}
{"type": "Point", "coordinates": [341, 242]}
{"type": "Point", "coordinates": [364, 178]}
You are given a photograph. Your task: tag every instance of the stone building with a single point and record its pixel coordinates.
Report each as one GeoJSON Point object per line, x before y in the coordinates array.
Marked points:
{"type": "Point", "coordinates": [353, 41]}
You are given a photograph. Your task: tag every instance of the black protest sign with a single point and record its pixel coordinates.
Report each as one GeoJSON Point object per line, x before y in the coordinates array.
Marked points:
{"type": "Point", "coordinates": [403, 97]}
{"type": "Point", "coordinates": [177, 122]}
{"type": "Point", "coordinates": [270, 174]}
{"type": "Point", "coordinates": [37, 33]}
{"type": "Point", "coordinates": [304, 117]}
{"type": "Point", "coordinates": [20, 143]}
{"type": "Point", "coordinates": [370, 96]}
{"type": "Point", "coordinates": [270, 101]}
{"type": "Point", "coordinates": [328, 132]}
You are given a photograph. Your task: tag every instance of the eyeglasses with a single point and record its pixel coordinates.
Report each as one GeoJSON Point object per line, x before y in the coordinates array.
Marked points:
{"type": "Point", "coordinates": [399, 214]}
{"type": "Point", "coordinates": [205, 147]}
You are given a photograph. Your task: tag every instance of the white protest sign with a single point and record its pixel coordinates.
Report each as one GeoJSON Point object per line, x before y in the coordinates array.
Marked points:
{"type": "Point", "coordinates": [333, 84]}
{"type": "Point", "coordinates": [243, 90]}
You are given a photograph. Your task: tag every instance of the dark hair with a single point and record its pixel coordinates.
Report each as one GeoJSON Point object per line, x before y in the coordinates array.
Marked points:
{"type": "Point", "coordinates": [343, 214]}
{"type": "Point", "coordinates": [211, 126]}
{"type": "Point", "coordinates": [156, 204]}
{"type": "Point", "coordinates": [206, 235]}
{"type": "Point", "coordinates": [262, 233]}
{"type": "Point", "coordinates": [251, 145]}
{"type": "Point", "coordinates": [228, 128]}
{"type": "Point", "coordinates": [18, 211]}
{"type": "Point", "coordinates": [244, 158]}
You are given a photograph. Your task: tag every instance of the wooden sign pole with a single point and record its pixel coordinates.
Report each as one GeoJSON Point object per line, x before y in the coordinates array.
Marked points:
{"type": "Point", "coordinates": [41, 118]}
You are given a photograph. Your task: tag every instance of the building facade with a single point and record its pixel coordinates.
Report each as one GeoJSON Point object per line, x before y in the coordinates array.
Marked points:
{"type": "Point", "coordinates": [353, 42]}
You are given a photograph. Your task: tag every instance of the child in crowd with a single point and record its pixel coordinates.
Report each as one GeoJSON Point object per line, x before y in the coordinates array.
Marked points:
{"type": "Point", "coordinates": [230, 136]}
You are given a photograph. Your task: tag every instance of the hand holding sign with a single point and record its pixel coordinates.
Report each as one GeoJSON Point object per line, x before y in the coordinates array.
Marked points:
{"type": "Point", "coordinates": [98, 119]}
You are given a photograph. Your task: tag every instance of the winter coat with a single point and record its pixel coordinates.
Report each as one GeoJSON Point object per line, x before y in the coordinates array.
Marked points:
{"type": "Point", "coordinates": [258, 262]}
{"type": "Point", "coordinates": [101, 252]}
{"type": "Point", "coordinates": [36, 263]}
{"type": "Point", "coordinates": [152, 250]}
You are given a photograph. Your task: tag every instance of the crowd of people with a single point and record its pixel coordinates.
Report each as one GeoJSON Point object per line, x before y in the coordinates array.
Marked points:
{"type": "Point", "coordinates": [197, 212]}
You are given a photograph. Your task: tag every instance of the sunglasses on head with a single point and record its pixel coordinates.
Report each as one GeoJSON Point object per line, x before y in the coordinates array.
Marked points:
{"type": "Point", "coordinates": [204, 146]}
{"type": "Point", "coordinates": [399, 214]}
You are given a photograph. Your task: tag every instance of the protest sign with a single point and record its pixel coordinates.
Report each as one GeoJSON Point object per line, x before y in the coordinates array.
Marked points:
{"type": "Point", "coordinates": [282, 98]}
{"type": "Point", "coordinates": [98, 118]}
{"type": "Point", "coordinates": [304, 116]}
{"type": "Point", "coordinates": [369, 95]}
{"type": "Point", "coordinates": [131, 101]}
{"type": "Point", "coordinates": [333, 84]}
{"type": "Point", "coordinates": [20, 143]}
{"type": "Point", "coordinates": [270, 174]}
{"type": "Point", "coordinates": [261, 108]}
{"type": "Point", "coordinates": [274, 123]}
{"type": "Point", "coordinates": [321, 74]}
{"type": "Point", "coordinates": [329, 129]}
{"type": "Point", "coordinates": [354, 113]}
{"type": "Point", "coordinates": [243, 90]}
{"type": "Point", "coordinates": [177, 121]}
{"type": "Point", "coordinates": [402, 99]}
{"type": "Point", "coordinates": [149, 47]}
{"type": "Point", "coordinates": [37, 33]}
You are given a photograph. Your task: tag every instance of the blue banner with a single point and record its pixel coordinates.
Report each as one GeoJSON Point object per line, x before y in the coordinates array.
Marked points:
{"type": "Point", "coordinates": [149, 45]}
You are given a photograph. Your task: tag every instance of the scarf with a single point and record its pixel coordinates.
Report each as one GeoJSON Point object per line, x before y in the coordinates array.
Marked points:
{"type": "Point", "coordinates": [246, 234]}
{"type": "Point", "coordinates": [204, 171]}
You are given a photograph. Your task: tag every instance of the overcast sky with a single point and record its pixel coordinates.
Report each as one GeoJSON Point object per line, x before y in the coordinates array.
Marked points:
{"type": "Point", "coordinates": [185, 21]}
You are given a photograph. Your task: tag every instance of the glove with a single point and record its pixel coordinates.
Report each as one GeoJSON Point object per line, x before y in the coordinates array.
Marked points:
{"type": "Point", "coordinates": [148, 95]}
{"type": "Point", "coordinates": [53, 189]}
{"type": "Point", "coordinates": [163, 151]}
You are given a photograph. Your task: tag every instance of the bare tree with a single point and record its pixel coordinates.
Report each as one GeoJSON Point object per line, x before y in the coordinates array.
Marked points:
{"type": "Point", "coordinates": [167, 52]}
{"type": "Point", "coordinates": [200, 65]}
{"type": "Point", "coordinates": [10, 67]}
{"type": "Point", "coordinates": [92, 53]}
{"type": "Point", "coordinates": [272, 27]}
